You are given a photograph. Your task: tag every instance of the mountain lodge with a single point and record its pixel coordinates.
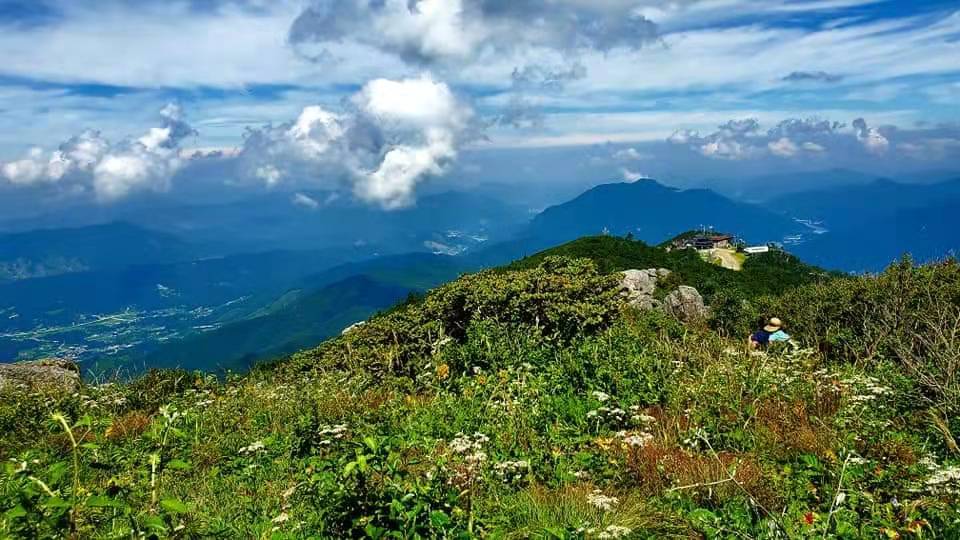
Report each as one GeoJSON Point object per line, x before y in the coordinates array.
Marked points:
{"type": "Point", "coordinates": [705, 241]}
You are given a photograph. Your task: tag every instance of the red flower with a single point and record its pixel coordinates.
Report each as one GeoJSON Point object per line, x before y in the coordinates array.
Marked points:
{"type": "Point", "coordinates": [808, 518]}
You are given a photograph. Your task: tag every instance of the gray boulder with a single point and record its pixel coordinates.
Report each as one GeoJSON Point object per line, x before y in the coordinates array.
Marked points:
{"type": "Point", "coordinates": [638, 286]}
{"type": "Point", "coordinates": [53, 374]}
{"type": "Point", "coordinates": [686, 304]}
{"type": "Point", "coordinates": [352, 328]}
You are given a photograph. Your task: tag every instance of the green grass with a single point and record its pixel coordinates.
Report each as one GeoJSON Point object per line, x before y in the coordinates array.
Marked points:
{"type": "Point", "coordinates": [527, 403]}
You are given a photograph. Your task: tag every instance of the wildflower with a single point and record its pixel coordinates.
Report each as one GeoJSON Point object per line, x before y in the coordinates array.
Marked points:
{"type": "Point", "coordinates": [602, 397]}
{"type": "Point", "coordinates": [332, 433]}
{"type": "Point", "coordinates": [614, 531]}
{"type": "Point", "coordinates": [601, 501]}
{"type": "Point", "coordinates": [511, 471]}
{"type": "Point", "coordinates": [170, 413]}
{"type": "Point", "coordinates": [945, 480]}
{"type": "Point", "coordinates": [464, 444]}
{"type": "Point", "coordinates": [638, 440]}
{"type": "Point", "coordinates": [254, 447]}
{"type": "Point", "coordinates": [581, 475]}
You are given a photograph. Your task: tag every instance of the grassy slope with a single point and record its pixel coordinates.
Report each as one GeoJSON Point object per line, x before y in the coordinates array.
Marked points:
{"type": "Point", "coordinates": [594, 422]}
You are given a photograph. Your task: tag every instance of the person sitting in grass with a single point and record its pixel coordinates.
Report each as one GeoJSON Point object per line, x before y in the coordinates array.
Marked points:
{"type": "Point", "coordinates": [771, 333]}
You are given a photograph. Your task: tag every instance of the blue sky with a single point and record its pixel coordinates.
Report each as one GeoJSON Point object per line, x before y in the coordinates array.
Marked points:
{"type": "Point", "coordinates": [654, 77]}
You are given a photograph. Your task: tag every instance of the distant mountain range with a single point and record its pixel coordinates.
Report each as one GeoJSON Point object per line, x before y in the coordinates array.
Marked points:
{"type": "Point", "coordinates": [45, 253]}
{"type": "Point", "coordinates": [871, 225]}
{"type": "Point", "coordinates": [246, 281]}
{"type": "Point", "coordinates": [451, 222]}
{"type": "Point", "coordinates": [766, 188]}
{"type": "Point", "coordinates": [653, 212]}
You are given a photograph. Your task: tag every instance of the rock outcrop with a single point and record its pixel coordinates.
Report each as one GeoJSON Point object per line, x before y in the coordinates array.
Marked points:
{"type": "Point", "coordinates": [638, 286]}
{"type": "Point", "coordinates": [51, 375]}
{"type": "Point", "coordinates": [352, 327]}
{"type": "Point", "coordinates": [686, 304]}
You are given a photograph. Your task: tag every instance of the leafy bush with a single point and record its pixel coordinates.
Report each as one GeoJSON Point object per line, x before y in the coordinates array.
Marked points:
{"type": "Point", "coordinates": [559, 299]}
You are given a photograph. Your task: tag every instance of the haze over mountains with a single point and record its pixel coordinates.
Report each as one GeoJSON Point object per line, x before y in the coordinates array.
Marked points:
{"type": "Point", "coordinates": [236, 283]}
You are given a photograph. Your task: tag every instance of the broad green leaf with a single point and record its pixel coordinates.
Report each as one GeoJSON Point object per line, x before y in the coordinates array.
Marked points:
{"type": "Point", "coordinates": [56, 502]}
{"type": "Point", "coordinates": [102, 501]}
{"type": "Point", "coordinates": [154, 522]}
{"type": "Point", "coordinates": [15, 512]}
{"type": "Point", "coordinates": [174, 505]}
{"type": "Point", "coordinates": [439, 519]}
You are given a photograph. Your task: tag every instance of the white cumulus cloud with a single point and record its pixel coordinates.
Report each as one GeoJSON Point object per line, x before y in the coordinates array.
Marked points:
{"type": "Point", "coordinates": [113, 171]}
{"type": "Point", "coordinates": [393, 135]}
{"type": "Point", "coordinates": [871, 138]}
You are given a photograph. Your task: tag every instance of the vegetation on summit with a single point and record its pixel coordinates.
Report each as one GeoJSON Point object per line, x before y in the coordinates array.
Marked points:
{"type": "Point", "coordinates": [528, 401]}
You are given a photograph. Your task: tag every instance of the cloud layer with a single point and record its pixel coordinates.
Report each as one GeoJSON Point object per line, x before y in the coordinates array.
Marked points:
{"type": "Point", "coordinates": [392, 136]}
{"type": "Point", "coordinates": [447, 31]}
{"type": "Point", "coordinates": [791, 138]}
{"type": "Point", "coordinates": [112, 171]}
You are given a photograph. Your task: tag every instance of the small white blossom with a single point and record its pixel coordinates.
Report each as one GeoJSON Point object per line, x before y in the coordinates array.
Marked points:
{"type": "Point", "coordinates": [257, 446]}
{"type": "Point", "coordinates": [638, 440]}
{"type": "Point", "coordinates": [613, 532]}
{"type": "Point", "coordinates": [601, 501]}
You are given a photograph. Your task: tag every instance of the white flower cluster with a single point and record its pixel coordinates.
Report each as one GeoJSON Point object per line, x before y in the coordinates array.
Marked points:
{"type": "Point", "coordinates": [637, 417]}
{"type": "Point", "coordinates": [465, 444]}
{"type": "Point", "coordinates": [612, 415]}
{"type": "Point", "coordinates": [254, 447]}
{"type": "Point", "coordinates": [868, 389]}
{"type": "Point", "coordinates": [637, 439]}
{"type": "Point", "coordinates": [332, 433]}
{"type": "Point", "coordinates": [511, 472]}
{"type": "Point", "coordinates": [612, 532]}
{"type": "Point", "coordinates": [204, 398]}
{"type": "Point", "coordinates": [943, 480]}
{"type": "Point", "coordinates": [170, 413]}
{"type": "Point", "coordinates": [601, 501]}
{"type": "Point", "coordinates": [105, 395]}
{"type": "Point", "coordinates": [471, 448]}
{"type": "Point", "coordinates": [602, 397]}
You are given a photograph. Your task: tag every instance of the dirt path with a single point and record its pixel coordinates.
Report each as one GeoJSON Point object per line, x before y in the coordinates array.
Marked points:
{"type": "Point", "coordinates": [728, 258]}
